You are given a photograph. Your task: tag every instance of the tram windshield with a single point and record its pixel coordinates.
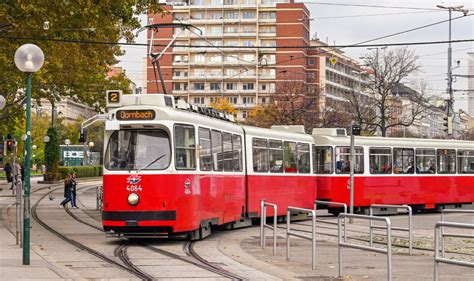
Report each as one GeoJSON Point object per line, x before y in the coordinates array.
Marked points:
{"type": "Point", "coordinates": [138, 150]}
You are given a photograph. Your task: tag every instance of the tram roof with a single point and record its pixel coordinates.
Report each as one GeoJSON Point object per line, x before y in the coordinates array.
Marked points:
{"type": "Point", "coordinates": [393, 142]}
{"type": "Point", "coordinates": [277, 134]}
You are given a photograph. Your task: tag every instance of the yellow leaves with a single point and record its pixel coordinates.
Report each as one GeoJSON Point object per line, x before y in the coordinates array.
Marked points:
{"type": "Point", "coordinates": [224, 105]}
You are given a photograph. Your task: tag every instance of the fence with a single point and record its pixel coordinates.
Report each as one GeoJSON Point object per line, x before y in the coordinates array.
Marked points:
{"type": "Point", "coordinates": [409, 229]}
{"type": "Point", "coordinates": [328, 203]}
{"type": "Point", "coordinates": [99, 197]}
{"type": "Point", "coordinates": [439, 234]}
{"type": "Point", "coordinates": [263, 224]}
{"type": "Point", "coordinates": [387, 251]}
{"type": "Point", "coordinates": [451, 211]}
{"type": "Point", "coordinates": [290, 233]}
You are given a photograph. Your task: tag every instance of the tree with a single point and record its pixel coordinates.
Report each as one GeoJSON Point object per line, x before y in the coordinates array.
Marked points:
{"type": "Point", "coordinates": [294, 103]}
{"type": "Point", "coordinates": [52, 156]}
{"type": "Point", "coordinates": [74, 70]}
{"type": "Point", "coordinates": [223, 104]}
{"type": "Point", "coordinates": [388, 69]}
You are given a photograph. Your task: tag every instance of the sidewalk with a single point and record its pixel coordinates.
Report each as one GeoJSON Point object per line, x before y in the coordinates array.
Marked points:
{"type": "Point", "coordinates": [11, 267]}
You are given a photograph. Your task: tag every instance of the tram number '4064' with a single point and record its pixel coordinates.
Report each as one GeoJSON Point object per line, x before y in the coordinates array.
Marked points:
{"type": "Point", "coordinates": [134, 188]}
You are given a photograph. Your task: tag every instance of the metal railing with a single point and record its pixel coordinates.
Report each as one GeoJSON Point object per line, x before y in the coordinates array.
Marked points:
{"type": "Point", "coordinates": [291, 233]}
{"type": "Point", "coordinates": [409, 229]}
{"type": "Point", "coordinates": [439, 234]}
{"type": "Point", "coordinates": [328, 203]}
{"type": "Point", "coordinates": [387, 251]}
{"type": "Point", "coordinates": [263, 224]}
{"type": "Point", "coordinates": [452, 211]}
{"type": "Point", "coordinates": [99, 197]}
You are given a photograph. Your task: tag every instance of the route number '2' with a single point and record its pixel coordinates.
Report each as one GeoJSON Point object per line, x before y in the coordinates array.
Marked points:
{"type": "Point", "coordinates": [113, 96]}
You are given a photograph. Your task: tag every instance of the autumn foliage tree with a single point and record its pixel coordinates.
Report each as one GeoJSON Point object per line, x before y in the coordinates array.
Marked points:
{"type": "Point", "coordinates": [223, 104]}
{"type": "Point", "coordinates": [74, 67]}
{"type": "Point", "coordinates": [293, 103]}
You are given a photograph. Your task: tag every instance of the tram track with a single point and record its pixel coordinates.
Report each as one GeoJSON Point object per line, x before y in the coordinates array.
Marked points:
{"type": "Point", "coordinates": [121, 252]}
{"type": "Point", "coordinates": [81, 246]}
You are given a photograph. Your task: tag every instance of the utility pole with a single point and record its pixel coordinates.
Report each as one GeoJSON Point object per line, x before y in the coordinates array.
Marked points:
{"type": "Point", "coordinates": [450, 101]}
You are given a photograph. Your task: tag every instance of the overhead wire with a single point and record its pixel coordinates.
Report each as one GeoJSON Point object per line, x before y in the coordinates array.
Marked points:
{"type": "Point", "coordinates": [368, 6]}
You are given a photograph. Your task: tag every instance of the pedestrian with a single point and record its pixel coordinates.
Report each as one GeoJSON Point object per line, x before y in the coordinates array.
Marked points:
{"type": "Point", "coordinates": [68, 195]}
{"type": "Point", "coordinates": [22, 172]}
{"type": "Point", "coordinates": [74, 194]}
{"type": "Point", "coordinates": [43, 169]}
{"type": "Point", "coordinates": [8, 172]}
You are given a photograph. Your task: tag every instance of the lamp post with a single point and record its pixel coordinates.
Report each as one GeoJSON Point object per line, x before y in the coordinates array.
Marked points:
{"type": "Point", "coordinates": [91, 145]}
{"type": "Point", "coordinates": [450, 106]}
{"type": "Point", "coordinates": [67, 142]}
{"type": "Point", "coordinates": [29, 58]}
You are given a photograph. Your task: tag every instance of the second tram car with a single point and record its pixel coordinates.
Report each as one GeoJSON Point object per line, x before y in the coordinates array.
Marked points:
{"type": "Point", "coordinates": [423, 173]}
{"type": "Point", "coordinates": [170, 171]}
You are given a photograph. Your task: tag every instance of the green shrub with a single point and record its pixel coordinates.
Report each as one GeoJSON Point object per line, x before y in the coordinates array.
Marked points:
{"type": "Point", "coordinates": [81, 171]}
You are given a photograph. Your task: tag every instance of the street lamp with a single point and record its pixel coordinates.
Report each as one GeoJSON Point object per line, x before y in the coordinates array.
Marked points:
{"type": "Point", "coordinates": [450, 106]}
{"type": "Point", "coordinates": [3, 102]}
{"type": "Point", "coordinates": [29, 58]}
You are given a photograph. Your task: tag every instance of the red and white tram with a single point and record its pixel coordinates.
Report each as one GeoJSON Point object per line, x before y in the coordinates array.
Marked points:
{"type": "Point", "coordinates": [423, 173]}
{"type": "Point", "coordinates": [170, 171]}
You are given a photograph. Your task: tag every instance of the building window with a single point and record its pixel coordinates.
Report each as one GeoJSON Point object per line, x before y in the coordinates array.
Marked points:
{"type": "Point", "coordinates": [215, 86]}
{"type": "Point", "coordinates": [248, 86]}
{"type": "Point", "coordinates": [232, 43]}
{"type": "Point", "coordinates": [232, 15]}
{"type": "Point", "coordinates": [264, 100]}
{"type": "Point", "coordinates": [249, 57]}
{"type": "Point", "coordinates": [231, 86]}
{"type": "Point", "coordinates": [177, 73]}
{"type": "Point", "coordinates": [311, 61]}
{"type": "Point", "coordinates": [215, 29]}
{"type": "Point", "coordinates": [249, 29]}
{"type": "Point", "coordinates": [199, 100]}
{"type": "Point", "coordinates": [233, 100]}
{"type": "Point", "coordinates": [248, 100]}
{"type": "Point", "coordinates": [248, 15]}
{"type": "Point", "coordinates": [232, 29]}
{"type": "Point", "coordinates": [198, 86]}
{"type": "Point", "coordinates": [263, 87]}
{"type": "Point", "coordinates": [244, 114]}
{"type": "Point", "coordinates": [199, 72]}
{"type": "Point", "coordinates": [249, 43]}
{"type": "Point", "coordinates": [177, 86]}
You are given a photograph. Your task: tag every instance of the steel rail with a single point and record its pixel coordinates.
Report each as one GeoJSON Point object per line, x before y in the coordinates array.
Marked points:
{"type": "Point", "coordinates": [121, 253]}
{"type": "Point", "coordinates": [75, 243]}
{"type": "Point", "coordinates": [189, 250]}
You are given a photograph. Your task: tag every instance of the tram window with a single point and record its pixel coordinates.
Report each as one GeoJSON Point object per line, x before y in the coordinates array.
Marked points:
{"type": "Point", "coordinates": [322, 160]}
{"type": "Point", "coordinates": [403, 161]}
{"type": "Point", "coordinates": [380, 160]}
{"type": "Point", "coordinates": [289, 157]}
{"type": "Point", "coordinates": [260, 155]}
{"type": "Point", "coordinates": [446, 161]}
{"type": "Point", "coordinates": [138, 150]}
{"type": "Point", "coordinates": [185, 147]}
{"type": "Point", "coordinates": [205, 156]}
{"type": "Point", "coordinates": [304, 156]}
{"type": "Point", "coordinates": [343, 160]}
{"type": "Point", "coordinates": [217, 156]}
{"type": "Point", "coordinates": [466, 161]}
{"type": "Point", "coordinates": [425, 161]}
{"type": "Point", "coordinates": [237, 146]}
{"type": "Point", "coordinates": [276, 156]}
{"type": "Point", "coordinates": [228, 154]}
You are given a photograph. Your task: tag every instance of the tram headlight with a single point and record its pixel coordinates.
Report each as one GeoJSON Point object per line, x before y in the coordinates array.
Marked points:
{"type": "Point", "coordinates": [133, 199]}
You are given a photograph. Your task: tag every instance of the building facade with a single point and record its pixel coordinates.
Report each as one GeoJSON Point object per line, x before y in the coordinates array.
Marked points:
{"type": "Point", "coordinates": [470, 86]}
{"type": "Point", "coordinates": [240, 50]}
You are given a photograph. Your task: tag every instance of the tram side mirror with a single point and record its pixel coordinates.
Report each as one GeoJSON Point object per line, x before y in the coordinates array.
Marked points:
{"type": "Point", "coordinates": [82, 136]}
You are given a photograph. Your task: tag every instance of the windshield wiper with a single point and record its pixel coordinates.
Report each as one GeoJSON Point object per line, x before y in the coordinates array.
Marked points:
{"type": "Point", "coordinates": [151, 163]}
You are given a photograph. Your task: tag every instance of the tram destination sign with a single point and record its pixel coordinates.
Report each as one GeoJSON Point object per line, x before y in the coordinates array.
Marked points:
{"type": "Point", "coordinates": [147, 114]}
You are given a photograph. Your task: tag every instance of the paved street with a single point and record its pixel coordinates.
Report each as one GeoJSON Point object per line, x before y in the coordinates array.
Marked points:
{"type": "Point", "coordinates": [236, 251]}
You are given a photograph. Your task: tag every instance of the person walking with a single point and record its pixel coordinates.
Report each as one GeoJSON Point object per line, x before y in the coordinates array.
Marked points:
{"type": "Point", "coordinates": [68, 195]}
{"type": "Point", "coordinates": [8, 172]}
{"type": "Point", "coordinates": [74, 194]}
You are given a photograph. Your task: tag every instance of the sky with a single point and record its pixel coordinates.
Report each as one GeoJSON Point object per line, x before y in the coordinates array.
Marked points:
{"type": "Point", "coordinates": [343, 23]}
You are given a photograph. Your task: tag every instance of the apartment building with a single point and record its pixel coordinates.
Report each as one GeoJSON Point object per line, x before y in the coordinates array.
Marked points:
{"type": "Point", "coordinates": [240, 50]}
{"type": "Point", "coordinates": [340, 76]}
